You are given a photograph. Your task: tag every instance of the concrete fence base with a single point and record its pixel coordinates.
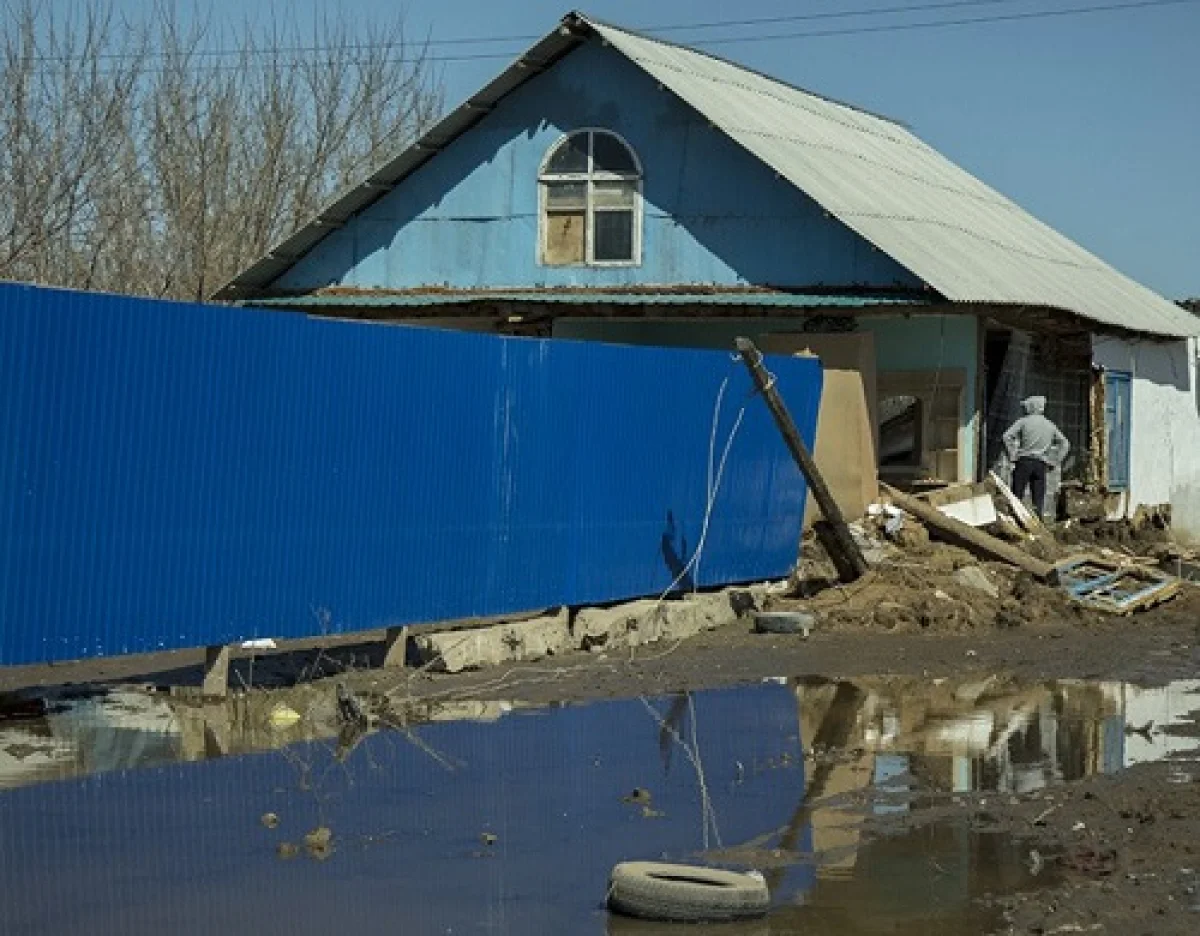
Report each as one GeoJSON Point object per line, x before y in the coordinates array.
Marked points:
{"type": "Point", "coordinates": [632, 624]}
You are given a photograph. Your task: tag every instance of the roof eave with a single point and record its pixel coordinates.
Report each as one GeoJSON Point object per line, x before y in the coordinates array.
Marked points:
{"type": "Point", "coordinates": [256, 279]}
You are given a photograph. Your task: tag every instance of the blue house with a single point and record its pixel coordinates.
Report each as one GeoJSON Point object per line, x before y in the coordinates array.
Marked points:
{"type": "Point", "coordinates": [611, 187]}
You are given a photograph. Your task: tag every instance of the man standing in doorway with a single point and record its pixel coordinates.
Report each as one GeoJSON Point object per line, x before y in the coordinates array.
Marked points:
{"type": "Point", "coordinates": [1034, 446]}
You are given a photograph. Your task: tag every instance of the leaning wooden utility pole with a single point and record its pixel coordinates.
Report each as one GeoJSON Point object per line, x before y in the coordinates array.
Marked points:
{"type": "Point", "coordinates": [833, 532]}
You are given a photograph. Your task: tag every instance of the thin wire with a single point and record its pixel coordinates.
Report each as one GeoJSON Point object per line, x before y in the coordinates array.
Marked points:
{"type": "Point", "coordinates": [937, 24]}
{"type": "Point", "coordinates": [706, 798]}
{"type": "Point", "coordinates": [708, 816]}
{"type": "Point", "coordinates": [713, 490]}
{"type": "Point", "coordinates": [530, 37]}
{"type": "Point", "coordinates": [828, 15]}
{"type": "Point", "coordinates": [723, 40]}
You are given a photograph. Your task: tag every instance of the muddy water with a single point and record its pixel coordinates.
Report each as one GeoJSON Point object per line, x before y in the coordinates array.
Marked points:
{"type": "Point", "coordinates": [129, 814]}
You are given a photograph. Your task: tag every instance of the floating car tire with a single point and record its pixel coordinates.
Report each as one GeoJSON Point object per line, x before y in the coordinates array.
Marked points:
{"type": "Point", "coordinates": [783, 622]}
{"type": "Point", "coordinates": [685, 893]}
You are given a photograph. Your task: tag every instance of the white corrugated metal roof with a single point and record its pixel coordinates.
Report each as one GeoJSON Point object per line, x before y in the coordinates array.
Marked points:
{"type": "Point", "coordinates": [964, 239]}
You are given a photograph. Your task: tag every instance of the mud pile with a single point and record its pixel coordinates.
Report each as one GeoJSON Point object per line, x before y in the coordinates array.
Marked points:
{"type": "Point", "coordinates": [918, 584]}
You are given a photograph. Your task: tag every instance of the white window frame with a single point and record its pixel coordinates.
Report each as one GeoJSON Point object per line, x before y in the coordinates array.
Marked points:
{"type": "Point", "coordinates": [588, 178]}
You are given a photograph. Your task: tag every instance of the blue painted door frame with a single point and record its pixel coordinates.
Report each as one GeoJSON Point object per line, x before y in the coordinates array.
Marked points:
{"type": "Point", "coordinates": [1118, 398]}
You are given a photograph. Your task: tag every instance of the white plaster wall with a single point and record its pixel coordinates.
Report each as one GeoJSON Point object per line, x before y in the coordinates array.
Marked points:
{"type": "Point", "coordinates": [1165, 424]}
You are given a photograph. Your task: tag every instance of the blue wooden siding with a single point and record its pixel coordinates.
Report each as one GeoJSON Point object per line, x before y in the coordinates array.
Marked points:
{"type": "Point", "coordinates": [177, 475]}
{"type": "Point", "coordinates": [713, 214]}
{"type": "Point", "coordinates": [1117, 427]}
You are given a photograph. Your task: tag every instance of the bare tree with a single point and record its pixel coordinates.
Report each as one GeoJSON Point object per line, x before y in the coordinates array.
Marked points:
{"type": "Point", "coordinates": [150, 158]}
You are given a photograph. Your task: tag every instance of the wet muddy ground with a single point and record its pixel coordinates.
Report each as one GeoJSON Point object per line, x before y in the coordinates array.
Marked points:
{"type": "Point", "coordinates": [934, 759]}
{"type": "Point", "coordinates": [1037, 780]}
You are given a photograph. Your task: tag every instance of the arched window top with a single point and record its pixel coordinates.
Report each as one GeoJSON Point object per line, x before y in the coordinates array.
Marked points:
{"type": "Point", "coordinates": [591, 196]}
{"type": "Point", "coordinates": [592, 152]}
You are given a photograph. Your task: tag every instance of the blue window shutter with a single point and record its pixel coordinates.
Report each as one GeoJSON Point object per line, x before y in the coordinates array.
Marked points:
{"type": "Point", "coordinates": [1117, 400]}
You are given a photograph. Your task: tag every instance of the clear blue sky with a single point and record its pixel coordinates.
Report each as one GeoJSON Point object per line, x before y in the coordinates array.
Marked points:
{"type": "Point", "coordinates": [1090, 122]}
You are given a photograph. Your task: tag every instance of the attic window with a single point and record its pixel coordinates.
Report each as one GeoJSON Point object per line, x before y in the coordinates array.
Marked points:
{"type": "Point", "coordinates": [591, 196]}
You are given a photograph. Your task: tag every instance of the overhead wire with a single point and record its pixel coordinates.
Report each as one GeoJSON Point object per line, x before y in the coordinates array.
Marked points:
{"type": "Point", "coordinates": [966, 21]}
{"type": "Point", "coordinates": [895, 10]}
{"type": "Point", "coordinates": [531, 37]}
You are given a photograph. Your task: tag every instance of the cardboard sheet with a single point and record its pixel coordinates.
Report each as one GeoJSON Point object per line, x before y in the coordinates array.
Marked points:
{"type": "Point", "coordinates": [847, 425]}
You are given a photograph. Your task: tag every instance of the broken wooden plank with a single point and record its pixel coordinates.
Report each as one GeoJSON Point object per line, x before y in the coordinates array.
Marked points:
{"type": "Point", "coordinates": [834, 533]}
{"type": "Point", "coordinates": [1024, 516]}
{"type": "Point", "coordinates": [962, 534]}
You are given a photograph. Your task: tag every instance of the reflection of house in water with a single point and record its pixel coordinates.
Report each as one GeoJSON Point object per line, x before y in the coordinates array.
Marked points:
{"type": "Point", "coordinates": [1157, 706]}
{"type": "Point", "coordinates": [553, 784]}
{"type": "Point", "coordinates": [900, 735]}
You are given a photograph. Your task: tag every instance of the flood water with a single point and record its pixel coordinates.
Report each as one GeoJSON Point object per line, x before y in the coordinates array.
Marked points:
{"type": "Point", "coordinates": [130, 813]}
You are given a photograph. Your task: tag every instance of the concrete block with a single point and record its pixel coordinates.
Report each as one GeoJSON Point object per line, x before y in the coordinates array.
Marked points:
{"type": "Point", "coordinates": [784, 622]}
{"type": "Point", "coordinates": [648, 621]}
{"type": "Point", "coordinates": [699, 612]}
{"type": "Point", "coordinates": [630, 624]}
{"type": "Point", "coordinates": [453, 651]}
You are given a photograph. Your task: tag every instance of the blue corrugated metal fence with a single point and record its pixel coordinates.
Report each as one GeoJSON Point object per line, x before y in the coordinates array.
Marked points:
{"type": "Point", "coordinates": [179, 475]}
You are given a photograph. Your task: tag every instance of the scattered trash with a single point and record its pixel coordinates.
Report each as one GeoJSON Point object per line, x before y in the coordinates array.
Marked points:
{"type": "Point", "coordinates": [319, 837]}
{"type": "Point", "coordinates": [488, 839]}
{"type": "Point", "coordinates": [654, 890]}
{"type": "Point", "coordinates": [968, 503]}
{"type": "Point", "coordinates": [1106, 585]}
{"type": "Point", "coordinates": [261, 643]}
{"type": "Point", "coordinates": [874, 550]}
{"type": "Point", "coordinates": [961, 534]}
{"type": "Point", "coordinates": [1079, 827]}
{"type": "Point", "coordinates": [319, 843]}
{"type": "Point", "coordinates": [269, 819]}
{"type": "Point", "coordinates": [286, 850]}
{"type": "Point", "coordinates": [282, 716]}
{"type": "Point", "coordinates": [639, 795]}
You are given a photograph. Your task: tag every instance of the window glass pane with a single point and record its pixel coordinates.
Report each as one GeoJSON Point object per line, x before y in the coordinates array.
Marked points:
{"type": "Point", "coordinates": [614, 235]}
{"type": "Point", "coordinates": [564, 237]}
{"type": "Point", "coordinates": [613, 194]}
{"type": "Point", "coordinates": [571, 155]}
{"type": "Point", "coordinates": [900, 430]}
{"type": "Point", "coordinates": [566, 195]}
{"type": "Point", "coordinates": [611, 155]}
